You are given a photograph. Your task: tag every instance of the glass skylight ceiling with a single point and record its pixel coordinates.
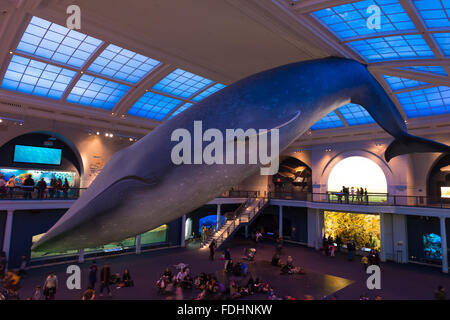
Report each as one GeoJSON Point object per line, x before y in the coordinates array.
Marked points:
{"type": "Point", "coordinates": [182, 108]}
{"type": "Point", "coordinates": [429, 69]}
{"type": "Point", "coordinates": [354, 114]}
{"type": "Point", "coordinates": [123, 64]}
{"type": "Point", "coordinates": [426, 102]}
{"type": "Point", "coordinates": [154, 106]}
{"type": "Point", "coordinates": [208, 92]}
{"type": "Point", "coordinates": [392, 48]}
{"type": "Point", "coordinates": [96, 92]}
{"type": "Point", "coordinates": [397, 39]}
{"type": "Point", "coordinates": [38, 78]}
{"type": "Point", "coordinates": [443, 40]}
{"type": "Point", "coordinates": [50, 58]}
{"type": "Point", "coordinates": [330, 121]}
{"type": "Point", "coordinates": [435, 13]}
{"type": "Point", "coordinates": [182, 84]}
{"type": "Point", "coordinates": [397, 83]}
{"type": "Point", "coordinates": [350, 20]}
{"type": "Point", "coordinates": [57, 43]}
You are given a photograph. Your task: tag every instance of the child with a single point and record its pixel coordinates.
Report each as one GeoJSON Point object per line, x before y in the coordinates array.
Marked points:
{"type": "Point", "coordinates": [365, 262]}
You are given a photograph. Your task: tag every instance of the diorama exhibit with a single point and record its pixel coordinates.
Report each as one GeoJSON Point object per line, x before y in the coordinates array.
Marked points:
{"type": "Point", "coordinates": [226, 150]}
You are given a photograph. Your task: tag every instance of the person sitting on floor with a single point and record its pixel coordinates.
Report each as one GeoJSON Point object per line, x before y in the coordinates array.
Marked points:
{"type": "Point", "coordinates": [276, 261]}
{"type": "Point", "coordinates": [126, 279]}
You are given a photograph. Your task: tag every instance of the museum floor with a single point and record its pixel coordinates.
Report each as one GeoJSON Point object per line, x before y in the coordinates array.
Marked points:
{"type": "Point", "coordinates": [324, 275]}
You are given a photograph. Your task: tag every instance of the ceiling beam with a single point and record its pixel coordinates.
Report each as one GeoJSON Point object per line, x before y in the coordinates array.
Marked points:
{"type": "Point", "coordinates": [410, 62]}
{"type": "Point", "coordinates": [143, 86]}
{"type": "Point", "coordinates": [438, 80]}
{"type": "Point", "coordinates": [83, 69]}
{"type": "Point", "coordinates": [339, 114]}
{"type": "Point", "coordinates": [307, 6]}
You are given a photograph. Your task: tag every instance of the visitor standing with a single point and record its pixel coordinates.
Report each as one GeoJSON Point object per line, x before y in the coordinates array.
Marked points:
{"type": "Point", "coordinates": [11, 184]}
{"type": "Point", "coordinates": [50, 286]}
{"type": "Point", "coordinates": [93, 275]}
{"type": "Point", "coordinates": [338, 243]}
{"type": "Point", "coordinates": [105, 278]}
{"type": "Point", "coordinates": [212, 249]}
{"type": "Point", "coordinates": [227, 257]}
{"type": "Point", "coordinates": [28, 185]}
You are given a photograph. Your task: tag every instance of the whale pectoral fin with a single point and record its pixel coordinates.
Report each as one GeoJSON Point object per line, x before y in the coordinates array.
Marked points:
{"type": "Point", "coordinates": [410, 144]}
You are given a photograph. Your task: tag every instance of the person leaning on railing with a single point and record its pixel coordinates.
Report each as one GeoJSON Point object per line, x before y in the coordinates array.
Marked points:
{"type": "Point", "coordinates": [11, 184]}
{"type": "Point", "coordinates": [28, 186]}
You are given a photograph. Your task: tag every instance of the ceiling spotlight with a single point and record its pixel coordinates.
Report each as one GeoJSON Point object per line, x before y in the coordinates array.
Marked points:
{"type": "Point", "coordinates": [1, 120]}
{"type": "Point", "coordinates": [106, 134]}
{"type": "Point", "coordinates": [11, 52]}
{"type": "Point", "coordinates": [98, 133]}
{"type": "Point", "coordinates": [111, 135]}
{"type": "Point", "coordinates": [131, 139]}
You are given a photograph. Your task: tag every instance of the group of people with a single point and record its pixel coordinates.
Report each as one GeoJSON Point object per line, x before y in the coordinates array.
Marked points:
{"type": "Point", "coordinates": [208, 287]}
{"type": "Point", "coordinates": [329, 245]}
{"type": "Point", "coordinates": [10, 282]}
{"type": "Point", "coordinates": [373, 258]}
{"type": "Point", "coordinates": [358, 194]}
{"type": "Point", "coordinates": [7, 188]}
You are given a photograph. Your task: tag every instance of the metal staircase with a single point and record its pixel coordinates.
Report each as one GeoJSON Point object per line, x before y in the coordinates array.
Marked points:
{"type": "Point", "coordinates": [242, 216]}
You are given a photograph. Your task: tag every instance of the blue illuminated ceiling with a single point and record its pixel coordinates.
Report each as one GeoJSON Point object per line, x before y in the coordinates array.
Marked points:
{"type": "Point", "coordinates": [330, 121]}
{"type": "Point", "coordinates": [429, 69]}
{"type": "Point", "coordinates": [38, 78]}
{"type": "Point", "coordinates": [350, 20]}
{"type": "Point", "coordinates": [426, 102]}
{"type": "Point", "coordinates": [55, 62]}
{"type": "Point", "coordinates": [154, 106]}
{"type": "Point", "coordinates": [397, 83]}
{"type": "Point", "coordinates": [406, 52]}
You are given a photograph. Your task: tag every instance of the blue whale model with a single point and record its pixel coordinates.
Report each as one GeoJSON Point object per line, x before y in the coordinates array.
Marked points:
{"type": "Point", "coordinates": [141, 188]}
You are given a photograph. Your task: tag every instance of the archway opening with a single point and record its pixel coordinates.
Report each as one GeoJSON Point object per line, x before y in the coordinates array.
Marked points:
{"type": "Point", "coordinates": [357, 172]}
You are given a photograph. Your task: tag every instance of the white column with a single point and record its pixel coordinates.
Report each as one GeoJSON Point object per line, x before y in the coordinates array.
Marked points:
{"type": "Point", "coordinates": [280, 222]}
{"type": "Point", "coordinates": [183, 231]}
{"type": "Point", "coordinates": [138, 244]}
{"type": "Point", "coordinates": [7, 235]}
{"type": "Point", "coordinates": [444, 246]}
{"type": "Point", "coordinates": [383, 238]}
{"type": "Point", "coordinates": [81, 256]}
{"type": "Point", "coordinates": [218, 215]}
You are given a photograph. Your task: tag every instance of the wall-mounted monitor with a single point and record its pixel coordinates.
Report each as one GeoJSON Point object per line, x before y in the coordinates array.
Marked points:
{"type": "Point", "coordinates": [445, 192]}
{"type": "Point", "coordinates": [37, 155]}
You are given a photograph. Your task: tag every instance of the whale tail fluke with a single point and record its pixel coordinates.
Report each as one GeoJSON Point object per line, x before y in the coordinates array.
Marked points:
{"type": "Point", "coordinates": [410, 144]}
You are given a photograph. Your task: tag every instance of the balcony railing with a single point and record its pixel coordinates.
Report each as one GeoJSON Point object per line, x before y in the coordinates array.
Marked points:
{"type": "Point", "coordinates": [33, 193]}
{"type": "Point", "coordinates": [371, 199]}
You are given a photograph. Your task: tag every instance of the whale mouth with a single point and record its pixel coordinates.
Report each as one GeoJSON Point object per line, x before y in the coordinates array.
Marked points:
{"type": "Point", "coordinates": [102, 203]}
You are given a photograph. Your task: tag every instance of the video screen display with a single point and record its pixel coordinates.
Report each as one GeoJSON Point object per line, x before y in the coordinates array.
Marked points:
{"type": "Point", "coordinates": [445, 192]}
{"type": "Point", "coordinates": [38, 155]}
{"type": "Point", "coordinates": [22, 174]}
{"type": "Point", "coordinates": [432, 246]}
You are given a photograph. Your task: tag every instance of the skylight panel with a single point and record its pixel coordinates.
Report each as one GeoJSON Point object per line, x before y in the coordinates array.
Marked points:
{"type": "Point", "coordinates": [154, 106]}
{"type": "Point", "coordinates": [397, 83]}
{"type": "Point", "coordinates": [185, 106]}
{"type": "Point", "coordinates": [57, 43]}
{"type": "Point", "coordinates": [350, 20]}
{"type": "Point", "coordinates": [392, 48]}
{"type": "Point", "coordinates": [123, 64]}
{"type": "Point", "coordinates": [330, 121]}
{"type": "Point", "coordinates": [208, 92]}
{"type": "Point", "coordinates": [182, 84]}
{"type": "Point", "coordinates": [96, 92]}
{"type": "Point", "coordinates": [355, 114]}
{"type": "Point", "coordinates": [443, 40]}
{"type": "Point", "coordinates": [426, 102]}
{"type": "Point", "coordinates": [37, 78]}
{"type": "Point", "coordinates": [428, 69]}
{"type": "Point", "coordinates": [435, 13]}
